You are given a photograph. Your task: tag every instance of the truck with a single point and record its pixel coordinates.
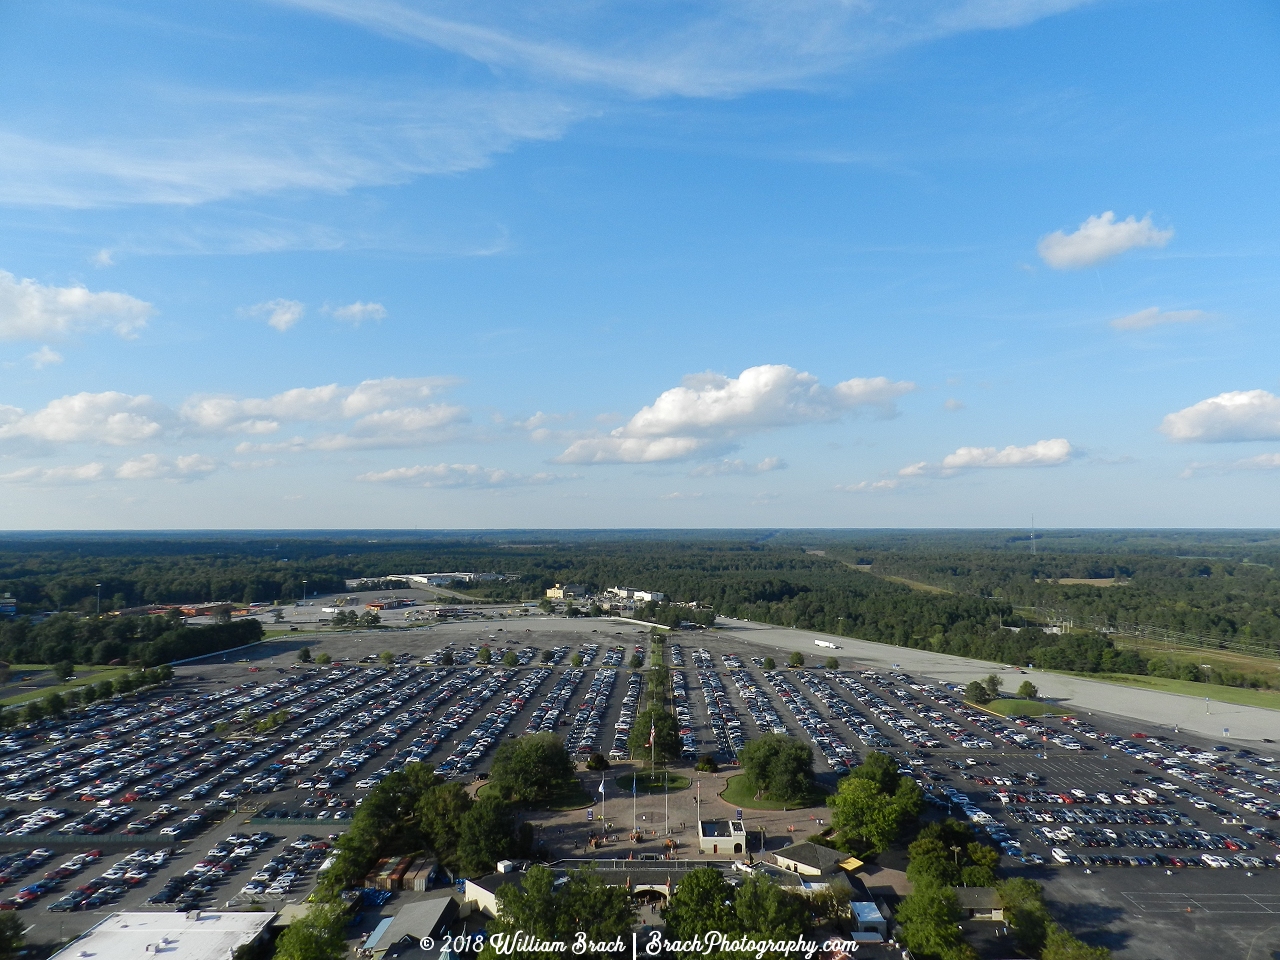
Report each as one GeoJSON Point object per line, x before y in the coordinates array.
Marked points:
{"type": "Point", "coordinates": [826, 643]}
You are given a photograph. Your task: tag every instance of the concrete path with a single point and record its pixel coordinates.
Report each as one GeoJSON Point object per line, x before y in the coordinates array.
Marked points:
{"type": "Point", "coordinates": [1146, 709]}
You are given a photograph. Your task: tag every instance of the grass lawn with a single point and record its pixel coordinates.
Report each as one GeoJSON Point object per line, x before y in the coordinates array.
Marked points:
{"type": "Point", "coordinates": [739, 792]}
{"type": "Point", "coordinates": [83, 679]}
{"type": "Point", "coordinates": [1021, 708]}
{"type": "Point", "coordinates": [652, 784]}
{"type": "Point", "coordinates": [1269, 699]}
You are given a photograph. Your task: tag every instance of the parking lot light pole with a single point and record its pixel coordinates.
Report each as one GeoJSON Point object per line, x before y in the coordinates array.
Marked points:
{"type": "Point", "coordinates": [99, 586]}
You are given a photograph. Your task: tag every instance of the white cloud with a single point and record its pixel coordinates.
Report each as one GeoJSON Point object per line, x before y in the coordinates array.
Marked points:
{"type": "Point", "coordinates": [1235, 415]}
{"type": "Point", "coordinates": [870, 486]}
{"type": "Point", "coordinates": [953, 404]}
{"type": "Point", "coordinates": [676, 495]}
{"type": "Point", "coordinates": [457, 475]}
{"type": "Point", "coordinates": [1042, 453]}
{"type": "Point", "coordinates": [915, 469]}
{"type": "Point", "coordinates": [710, 412]}
{"type": "Point", "coordinates": [151, 466]}
{"type": "Point", "coordinates": [84, 473]}
{"type": "Point", "coordinates": [369, 400]}
{"type": "Point", "coordinates": [358, 312]}
{"type": "Point", "coordinates": [280, 313]}
{"type": "Point", "coordinates": [44, 357]}
{"type": "Point", "coordinates": [719, 468]}
{"type": "Point", "coordinates": [113, 418]}
{"type": "Point", "coordinates": [1154, 317]}
{"type": "Point", "coordinates": [103, 258]}
{"type": "Point", "coordinates": [1099, 238]}
{"type": "Point", "coordinates": [33, 311]}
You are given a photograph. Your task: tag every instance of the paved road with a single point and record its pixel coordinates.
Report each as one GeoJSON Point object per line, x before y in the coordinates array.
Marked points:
{"type": "Point", "coordinates": [1152, 708]}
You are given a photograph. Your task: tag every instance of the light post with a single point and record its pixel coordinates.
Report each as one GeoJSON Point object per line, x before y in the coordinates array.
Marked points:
{"type": "Point", "coordinates": [99, 586]}
{"type": "Point", "coordinates": [304, 591]}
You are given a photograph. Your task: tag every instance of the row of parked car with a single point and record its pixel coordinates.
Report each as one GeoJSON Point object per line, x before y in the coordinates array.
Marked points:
{"type": "Point", "coordinates": [471, 748]}
{"type": "Point", "coordinates": [198, 883]}
{"type": "Point", "coordinates": [547, 716]}
{"type": "Point", "coordinates": [585, 732]}
{"type": "Point", "coordinates": [723, 718]}
{"type": "Point", "coordinates": [117, 880]}
{"type": "Point", "coordinates": [621, 749]}
{"type": "Point", "coordinates": [839, 755]}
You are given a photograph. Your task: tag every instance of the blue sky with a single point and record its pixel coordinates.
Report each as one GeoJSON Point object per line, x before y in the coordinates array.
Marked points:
{"type": "Point", "coordinates": [326, 263]}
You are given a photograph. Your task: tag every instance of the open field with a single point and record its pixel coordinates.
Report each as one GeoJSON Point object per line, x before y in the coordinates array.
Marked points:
{"type": "Point", "coordinates": [84, 677]}
{"type": "Point", "coordinates": [1221, 659]}
{"type": "Point", "coordinates": [1244, 696]}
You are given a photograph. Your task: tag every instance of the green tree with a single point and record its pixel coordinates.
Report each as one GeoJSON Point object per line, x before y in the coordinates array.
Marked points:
{"type": "Point", "coordinates": [584, 903]}
{"type": "Point", "coordinates": [324, 659]}
{"type": "Point", "coordinates": [832, 663]}
{"type": "Point", "coordinates": [598, 761]}
{"type": "Point", "coordinates": [778, 766]}
{"type": "Point", "coordinates": [1061, 945]}
{"type": "Point", "coordinates": [1025, 912]}
{"type": "Point", "coordinates": [707, 764]}
{"type": "Point", "coordinates": [64, 669]}
{"type": "Point", "coordinates": [11, 936]}
{"type": "Point", "coordinates": [769, 664]}
{"type": "Point", "coordinates": [387, 658]}
{"type": "Point", "coordinates": [510, 659]}
{"type": "Point", "coordinates": [636, 661]}
{"type": "Point", "coordinates": [796, 659]}
{"type": "Point", "coordinates": [546, 605]}
{"type": "Point", "coordinates": [992, 683]}
{"type": "Point", "coordinates": [702, 902]}
{"type": "Point", "coordinates": [575, 660]}
{"type": "Point", "coordinates": [866, 817]}
{"type": "Point", "coordinates": [532, 769]}
{"type": "Point", "coordinates": [33, 712]}
{"type": "Point", "coordinates": [440, 813]}
{"type": "Point", "coordinates": [370, 618]}
{"type": "Point", "coordinates": [767, 911]}
{"type": "Point", "coordinates": [976, 692]}
{"type": "Point", "coordinates": [1027, 691]}
{"type": "Point", "coordinates": [304, 655]}
{"type": "Point", "coordinates": [666, 744]}
{"type": "Point", "coordinates": [485, 655]}
{"type": "Point", "coordinates": [930, 917]}
{"type": "Point", "coordinates": [881, 769]}
{"type": "Point", "coordinates": [316, 935]}
{"type": "Point", "coordinates": [487, 833]}
{"type": "Point", "coordinates": [547, 656]}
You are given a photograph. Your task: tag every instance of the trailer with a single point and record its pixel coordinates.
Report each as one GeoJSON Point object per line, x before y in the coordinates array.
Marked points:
{"type": "Point", "coordinates": [826, 643]}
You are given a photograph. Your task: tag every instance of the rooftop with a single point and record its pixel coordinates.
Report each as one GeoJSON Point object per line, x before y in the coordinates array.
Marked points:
{"type": "Point", "coordinates": [196, 935]}
{"type": "Point", "coordinates": [812, 855]}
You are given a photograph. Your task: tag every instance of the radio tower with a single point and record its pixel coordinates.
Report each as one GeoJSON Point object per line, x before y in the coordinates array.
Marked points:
{"type": "Point", "coordinates": [1033, 534]}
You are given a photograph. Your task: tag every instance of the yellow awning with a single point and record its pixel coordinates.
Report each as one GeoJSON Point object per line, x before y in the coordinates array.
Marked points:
{"type": "Point", "coordinates": [851, 864]}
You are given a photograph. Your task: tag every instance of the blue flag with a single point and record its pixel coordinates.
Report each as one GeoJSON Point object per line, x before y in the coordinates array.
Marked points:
{"type": "Point", "coordinates": [633, 784]}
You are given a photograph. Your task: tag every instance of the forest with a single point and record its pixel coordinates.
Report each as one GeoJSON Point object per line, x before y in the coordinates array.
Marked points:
{"type": "Point", "coordinates": [951, 591]}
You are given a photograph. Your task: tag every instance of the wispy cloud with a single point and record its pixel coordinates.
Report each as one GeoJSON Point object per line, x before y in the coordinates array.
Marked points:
{"type": "Point", "coordinates": [82, 473]}
{"type": "Point", "coordinates": [870, 486]}
{"type": "Point", "coordinates": [1155, 317]}
{"type": "Point", "coordinates": [1042, 453]}
{"type": "Point", "coordinates": [44, 357]}
{"type": "Point", "coordinates": [358, 312]}
{"type": "Point", "coordinates": [152, 466]}
{"type": "Point", "coordinates": [720, 468]}
{"type": "Point", "coordinates": [1099, 238]}
{"type": "Point", "coordinates": [457, 475]}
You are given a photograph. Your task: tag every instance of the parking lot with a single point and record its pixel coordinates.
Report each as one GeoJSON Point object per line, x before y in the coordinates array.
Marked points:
{"type": "Point", "coordinates": [168, 796]}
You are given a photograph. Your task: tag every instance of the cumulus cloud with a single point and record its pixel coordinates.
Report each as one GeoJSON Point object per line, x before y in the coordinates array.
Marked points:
{"type": "Point", "coordinates": [1099, 238]}
{"type": "Point", "coordinates": [710, 412]}
{"type": "Point", "coordinates": [151, 466]}
{"type": "Point", "coordinates": [720, 468]}
{"type": "Point", "coordinates": [280, 313]}
{"type": "Point", "coordinates": [1231, 416]}
{"type": "Point", "coordinates": [457, 475]}
{"type": "Point", "coordinates": [44, 357]}
{"type": "Point", "coordinates": [358, 312]}
{"type": "Point", "coordinates": [112, 418]}
{"type": "Point", "coordinates": [1042, 453]}
{"type": "Point", "coordinates": [1154, 317]}
{"type": "Point", "coordinates": [84, 473]}
{"type": "Point", "coordinates": [33, 311]}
